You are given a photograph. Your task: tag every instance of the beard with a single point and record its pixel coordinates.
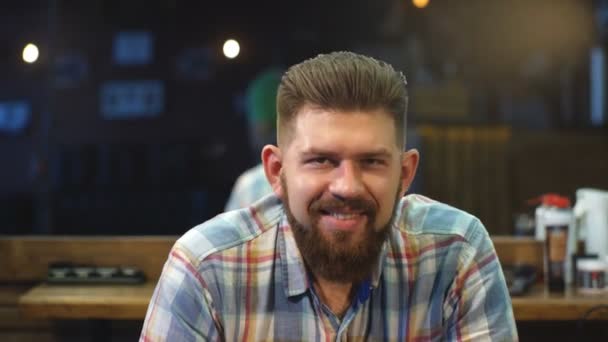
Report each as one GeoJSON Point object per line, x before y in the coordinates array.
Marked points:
{"type": "Point", "coordinates": [339, 257]}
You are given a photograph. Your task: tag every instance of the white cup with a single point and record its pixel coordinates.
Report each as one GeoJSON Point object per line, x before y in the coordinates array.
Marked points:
{"type": "Point", "coordinates": [591, 210]}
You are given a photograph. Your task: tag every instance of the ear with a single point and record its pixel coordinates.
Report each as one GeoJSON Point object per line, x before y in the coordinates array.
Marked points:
{"type": "Point", "coordinates": [273, 164]}
{"type": "Point", "coordinates": [409, 164]}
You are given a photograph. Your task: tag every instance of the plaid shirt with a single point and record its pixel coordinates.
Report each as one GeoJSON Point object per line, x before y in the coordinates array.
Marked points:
{"type": "Point", "coordinates": [248, 188]}
{"type": "Point", "coordinates": [240, 277]}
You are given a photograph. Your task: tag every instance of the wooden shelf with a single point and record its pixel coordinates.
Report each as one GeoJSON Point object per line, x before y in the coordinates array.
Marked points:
{"type": "Point", "coordinates": [87, 301]}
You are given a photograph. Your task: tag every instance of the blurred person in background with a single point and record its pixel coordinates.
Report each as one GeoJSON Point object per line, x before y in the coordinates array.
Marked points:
{"type": "Point", "coordinates": [337, 252]}
{"type": "Point", "coordinates": [261, 97]}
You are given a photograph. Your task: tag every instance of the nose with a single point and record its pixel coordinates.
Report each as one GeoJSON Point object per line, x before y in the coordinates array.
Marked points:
{"type": "Point", "coordinates": [347, 182]}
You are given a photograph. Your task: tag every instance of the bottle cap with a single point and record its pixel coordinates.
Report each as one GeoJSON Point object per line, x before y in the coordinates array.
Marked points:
{"type": "Point", "coordinates": [555, 200]}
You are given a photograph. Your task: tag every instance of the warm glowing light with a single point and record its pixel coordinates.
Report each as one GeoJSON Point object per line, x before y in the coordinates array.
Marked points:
{"type": "Point", "coordinates": [420, 3]}
{"type": "Point", "coordinates": [30, 53]}
{"type": "Point", "coordinates": [231, 48]}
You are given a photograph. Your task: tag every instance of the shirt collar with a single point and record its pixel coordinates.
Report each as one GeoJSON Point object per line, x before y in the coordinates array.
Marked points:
{"type": "Point", "coordinates": [377, 272]}
{"type": "Point", "coordinates": [293, 270]}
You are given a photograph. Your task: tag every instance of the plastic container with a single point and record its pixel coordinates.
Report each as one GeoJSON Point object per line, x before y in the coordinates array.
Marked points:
{"type": "Point", "coordinates": [591, 276]}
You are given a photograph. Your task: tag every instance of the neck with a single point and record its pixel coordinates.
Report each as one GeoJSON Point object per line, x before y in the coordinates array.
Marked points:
{"type": "Point", "coordinates": [335, 295]}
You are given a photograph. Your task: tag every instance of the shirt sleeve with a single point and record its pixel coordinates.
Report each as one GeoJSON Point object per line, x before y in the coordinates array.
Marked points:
{"type": "Point", "coordinates": [181, 308]}
{"type": "Point", "coordinates": [478, 306]}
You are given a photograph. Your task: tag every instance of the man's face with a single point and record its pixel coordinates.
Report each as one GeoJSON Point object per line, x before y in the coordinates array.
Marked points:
{"type": "Point", "coordinates": [341, 179]}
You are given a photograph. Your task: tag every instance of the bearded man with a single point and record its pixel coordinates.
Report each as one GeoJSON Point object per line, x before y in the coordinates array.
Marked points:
{"type": "Point", "coordinates": [336, 253]}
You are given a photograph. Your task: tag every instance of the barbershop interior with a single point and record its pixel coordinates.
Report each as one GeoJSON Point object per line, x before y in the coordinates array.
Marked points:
{"type": "Point", "coordinates": [123, 124]}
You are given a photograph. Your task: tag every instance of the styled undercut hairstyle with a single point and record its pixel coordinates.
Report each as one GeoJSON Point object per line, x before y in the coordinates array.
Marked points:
{"type": "Point", "coordinates": [343, 81]}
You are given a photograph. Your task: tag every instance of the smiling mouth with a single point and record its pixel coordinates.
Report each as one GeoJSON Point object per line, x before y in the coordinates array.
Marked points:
{"type": "Point", "coordinates": [339, 220]}
{"type": "Point", "coordinates": [341, 215]}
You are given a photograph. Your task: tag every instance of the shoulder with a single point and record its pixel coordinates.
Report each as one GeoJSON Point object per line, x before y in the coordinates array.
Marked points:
{"type": "Point", "coordinates": [437, 238]}
{"type": "Point", "coordinates": [418, 215]}
{"type": "Point", "coordinates": [254, 175]}
{"type": "Point", "coordinates": [230, 229]}
{"type": "Point", "coordinates": [250, 186]}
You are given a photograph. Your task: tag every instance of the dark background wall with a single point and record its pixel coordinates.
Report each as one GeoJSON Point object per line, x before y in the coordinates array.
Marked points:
{"type": "Point", "coordinates": [523, 64]}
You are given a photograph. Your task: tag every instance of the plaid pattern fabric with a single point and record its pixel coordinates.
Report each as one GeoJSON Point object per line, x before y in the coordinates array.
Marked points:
{"type": "Point", "coordinates": [240, 277]}
{"type": "Point", "coordinates": [248, 188]}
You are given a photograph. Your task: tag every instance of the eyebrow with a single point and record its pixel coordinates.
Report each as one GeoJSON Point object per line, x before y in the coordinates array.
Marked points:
{"type": "Point", "coordinates": [381, 152]}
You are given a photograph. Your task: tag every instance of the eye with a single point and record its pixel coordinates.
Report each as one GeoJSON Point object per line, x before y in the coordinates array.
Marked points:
{"type": "Point", "coordinates": [373, 162]}
{"type": "Point", "coordinates": [319, 161]}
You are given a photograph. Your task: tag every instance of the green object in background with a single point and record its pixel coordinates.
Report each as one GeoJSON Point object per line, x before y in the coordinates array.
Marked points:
{"type": "Point", "coordinates": [262, 95]}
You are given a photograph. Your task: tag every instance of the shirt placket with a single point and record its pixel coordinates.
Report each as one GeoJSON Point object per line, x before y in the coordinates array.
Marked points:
{"type": "Point", "coordinates": [334, 328]}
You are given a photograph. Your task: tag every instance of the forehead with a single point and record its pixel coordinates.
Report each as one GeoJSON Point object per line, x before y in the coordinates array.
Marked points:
{"type": "Point", "coordinates": [338, 131]}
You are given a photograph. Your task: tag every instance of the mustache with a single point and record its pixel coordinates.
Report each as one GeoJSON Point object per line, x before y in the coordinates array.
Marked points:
{"type": "Point", "coordinates": [355, 204]}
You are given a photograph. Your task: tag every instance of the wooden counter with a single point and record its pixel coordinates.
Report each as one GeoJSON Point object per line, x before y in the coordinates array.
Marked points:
{"type": "Point", "coordinates": [149, 253]}
{"type": "Point", "coordinates": [27, 309]}
{"type": "Point", "coordinates": [131, 302]}
{"type": "Point", "coordinates": [540, 305]}
{"type": "Point", "coordinates": [87, 302]}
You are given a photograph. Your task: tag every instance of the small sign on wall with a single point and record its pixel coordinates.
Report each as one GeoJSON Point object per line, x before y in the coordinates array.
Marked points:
{"type": "Point", "coordinates": [133, 48]}
{"type": "Point", "coordinates": [132, 99]}
{"type": "Point", "coordinates": [195, 64]}
{"type": "Point", "coordinates": [70, 70]}
{"type": "Point", "coordinates": [14, 116]}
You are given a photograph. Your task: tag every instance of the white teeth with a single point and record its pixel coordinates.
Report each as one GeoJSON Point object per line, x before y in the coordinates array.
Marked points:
{"type": "Point", "coordinates": [344, 216]}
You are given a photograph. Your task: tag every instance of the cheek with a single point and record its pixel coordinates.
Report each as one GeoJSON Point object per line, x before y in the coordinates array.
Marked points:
{"type": "Point", "coordinates": [301, 191]}
{"type": "Point", "coordinates": [385, 193]}
{"type": "Point", "coordinates": [306, 186]}
{"type": "Point", "coordinates": [381, 187]}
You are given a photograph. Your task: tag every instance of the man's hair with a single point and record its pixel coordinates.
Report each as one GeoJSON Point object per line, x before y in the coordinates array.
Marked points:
{"type": "Point", "coordinates": [342, 81]}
